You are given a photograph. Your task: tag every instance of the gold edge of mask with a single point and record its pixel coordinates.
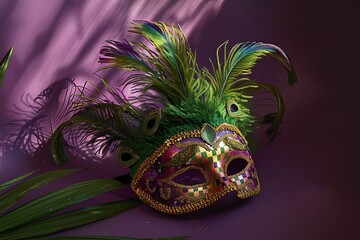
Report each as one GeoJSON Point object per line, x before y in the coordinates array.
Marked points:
{"type": "Point", "coordinates": [159, 152]}
{"type": "Point", "coordinates": [191, 207]}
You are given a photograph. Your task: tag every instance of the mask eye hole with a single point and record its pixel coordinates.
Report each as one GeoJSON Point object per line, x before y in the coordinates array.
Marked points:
{"type": "Point", "coordinates": [189, 177]}
{"type": "Point", "coordinates": [235, 166]}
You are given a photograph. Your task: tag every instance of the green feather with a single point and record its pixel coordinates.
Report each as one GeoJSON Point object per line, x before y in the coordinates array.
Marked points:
{"type": "Point", "coordinates": [173, 60]}
{"type": "Point", "coordinates": [171, 80]}
{"type": "Point", "coordinates": [104, 123]}
{"type": "Point", "coordinates": [273, 131]}
{"type": "Point", "coordinates": [240, 61]}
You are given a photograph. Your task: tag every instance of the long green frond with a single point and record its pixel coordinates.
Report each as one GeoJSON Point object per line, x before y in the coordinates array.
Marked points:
{"type": "Point", "coordinates": [69, 220]}
{"type": "Point", "coordinates": [14, 181]}
{"type": "Point", "coordinates": [9, 198]}
{"type": "Point", "coordinates": [56, 201]}
{"type": "Point", "coordinates": [107, 238]}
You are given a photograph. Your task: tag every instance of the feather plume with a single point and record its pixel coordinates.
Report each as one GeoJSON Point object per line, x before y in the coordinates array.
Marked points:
{"type": "Point", "coordinates": [240, 61]}
{"type": "Point", "coordinates": [99, 125]}
{"type": "Point", "coordinates": [164, 74]}
{"type": "Point", "coordinates": [170, 65]}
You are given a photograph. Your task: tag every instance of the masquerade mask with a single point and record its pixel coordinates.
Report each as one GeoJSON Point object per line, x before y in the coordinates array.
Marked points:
{"type": "Point", "coordinates": [194, 169]}
{"type": "Point", "coordinates": [184, 135]}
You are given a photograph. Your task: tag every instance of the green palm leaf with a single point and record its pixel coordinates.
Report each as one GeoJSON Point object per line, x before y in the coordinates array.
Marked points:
{"type": "Point", "coordinates": [107, 238]}
{"type": "Point", "coordinates": [69, 220]}
{"type": "Point", "coordinates": [13, 181]}
{"type": "Point", "coordinates": [4, 64]}
{"type": "Point", "coordinates": [56, 201]}
{"type": "Point", "coordinates": [9, 198]}
{"type": "Point", "coordinates": [34, 220]}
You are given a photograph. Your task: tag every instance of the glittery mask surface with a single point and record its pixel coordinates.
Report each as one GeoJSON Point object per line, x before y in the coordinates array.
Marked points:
{"type": "Point", "coordinates": [188, 173]}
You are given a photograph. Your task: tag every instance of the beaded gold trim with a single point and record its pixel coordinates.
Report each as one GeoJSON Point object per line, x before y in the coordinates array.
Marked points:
{"type": "Point", "coordinates": [222, 138]}
{"type": "Point", "coordinates": [190, 207]}
{"type": "Point", "coordinates": [226, 126]}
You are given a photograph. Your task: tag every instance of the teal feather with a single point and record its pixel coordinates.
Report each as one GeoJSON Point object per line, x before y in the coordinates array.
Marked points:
{"type": "Point", "coordinates": [123, 55]}
{"type": "Point", "coordinates": [166, 48]}
{"type": "Point", "coordinates": [240, 61]}
{"type": "Point", "coordinates": [175, 62]}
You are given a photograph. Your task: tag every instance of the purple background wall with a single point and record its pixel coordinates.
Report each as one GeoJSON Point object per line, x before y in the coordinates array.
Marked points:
{"type": "Point", "coordinates": [308, 175]}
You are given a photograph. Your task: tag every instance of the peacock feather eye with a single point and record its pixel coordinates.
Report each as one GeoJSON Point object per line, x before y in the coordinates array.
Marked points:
{"type": "Point", "coordinates": [233, 108]}
{"type": "Point", "coordinates": [151, 122]}
{"type": "Point", "coordinates": [126, 157]}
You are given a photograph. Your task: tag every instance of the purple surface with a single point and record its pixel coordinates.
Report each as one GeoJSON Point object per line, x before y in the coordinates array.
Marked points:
{"type": "Point", "coordinates": [308, 175]}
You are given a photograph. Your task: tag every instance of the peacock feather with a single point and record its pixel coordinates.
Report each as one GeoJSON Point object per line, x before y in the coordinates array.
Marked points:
{"type": "Point", "coordinates": [170, 94]}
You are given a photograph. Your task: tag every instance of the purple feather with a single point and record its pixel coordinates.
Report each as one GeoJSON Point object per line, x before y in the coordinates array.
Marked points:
{"type": "Point", "coordinates": [118, 48]}
{"type": "Point", "coordinates": [156, 28]}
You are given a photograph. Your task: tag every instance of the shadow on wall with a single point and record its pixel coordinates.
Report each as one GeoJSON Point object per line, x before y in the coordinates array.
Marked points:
{"type": "Point", "coordinates": [62, 40]}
